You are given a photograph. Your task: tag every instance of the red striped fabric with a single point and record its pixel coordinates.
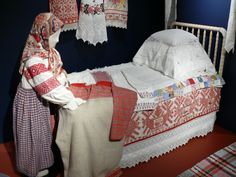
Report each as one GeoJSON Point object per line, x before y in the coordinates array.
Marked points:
{"type": "Point", "coordinates": [124, 101]}
{"type": "Point", "coordinates": [220, 164]}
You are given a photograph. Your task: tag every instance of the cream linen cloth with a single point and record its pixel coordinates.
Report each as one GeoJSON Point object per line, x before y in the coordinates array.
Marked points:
{"type": "Point", "coordinates": [83, 139]}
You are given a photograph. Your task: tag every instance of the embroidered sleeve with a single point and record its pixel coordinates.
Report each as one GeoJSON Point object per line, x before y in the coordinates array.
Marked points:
{"type": "Point", "coordinates": [46, 84]}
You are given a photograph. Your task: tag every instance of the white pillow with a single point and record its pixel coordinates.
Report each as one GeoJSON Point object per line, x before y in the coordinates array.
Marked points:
{"type": "Point", "coordinates": [182, 59]}
{"type": "Point", "coordinates": [174, 37]}
{"type": "Point", "coordinates": [186, 61]}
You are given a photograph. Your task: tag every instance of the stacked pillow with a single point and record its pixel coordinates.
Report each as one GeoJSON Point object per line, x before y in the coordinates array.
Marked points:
{"type": "Point", "coordinates": [175, 53]}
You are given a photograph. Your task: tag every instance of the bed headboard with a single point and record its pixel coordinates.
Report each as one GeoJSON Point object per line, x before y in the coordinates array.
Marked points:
{"type": "Point", "coordinates": [212, 39]}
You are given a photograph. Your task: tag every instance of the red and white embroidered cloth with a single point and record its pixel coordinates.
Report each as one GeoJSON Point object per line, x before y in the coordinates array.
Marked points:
{"type": "Point", "coordinates": [66, 11]}
{"type": "Point", "coordinates": [116, 12]}
{"type": "Point", "coordinates": [92, 23]}
{"type": "Point", "coordinates": [124, 101]}
{"type": "Point", "coordinates": [172, 113]}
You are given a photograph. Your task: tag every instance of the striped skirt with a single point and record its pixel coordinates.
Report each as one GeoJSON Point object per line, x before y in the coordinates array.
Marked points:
{"type": "Point", "coordinates": [32, 132]}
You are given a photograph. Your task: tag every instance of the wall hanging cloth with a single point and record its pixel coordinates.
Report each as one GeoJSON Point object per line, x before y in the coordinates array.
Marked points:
{"type": "Point", "coordinates": [231, 28]}
{"type": "Point", "coordinates": [170, 12]}
{"type": "Point", "coordinates": [67, 11]}
{"type": "Point", "coordinates": [116, 13]}
{"type": "Point", "coordinates": [92, 23]}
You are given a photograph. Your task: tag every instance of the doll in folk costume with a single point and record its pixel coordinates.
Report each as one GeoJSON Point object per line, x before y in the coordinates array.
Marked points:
{"type": "Point", "coordinates": [43, 80]}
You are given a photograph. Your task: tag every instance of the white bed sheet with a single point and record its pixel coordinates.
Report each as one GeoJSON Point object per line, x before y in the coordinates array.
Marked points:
{"type": "Point", "coordinates": [129, 76]}
{"type": "Point", "coordinates": [141, 79]}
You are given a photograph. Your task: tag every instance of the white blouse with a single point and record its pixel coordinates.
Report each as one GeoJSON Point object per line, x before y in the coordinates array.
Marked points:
{"type": "Point", "coordinates": [37, 75]}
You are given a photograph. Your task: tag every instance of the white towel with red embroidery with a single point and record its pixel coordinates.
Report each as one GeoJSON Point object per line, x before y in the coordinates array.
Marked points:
{"type": "Point", "coordinates": [92, 23]}
{"type": "Point", "coordinates": [116, 12]}
{"type": "Point", "coordinates": [66, 11]}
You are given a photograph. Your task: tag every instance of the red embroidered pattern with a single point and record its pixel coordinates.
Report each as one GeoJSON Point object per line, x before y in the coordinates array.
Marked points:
{"type": "Point", "coordinates": [116, 12]}
{"type": "Point", "coordinates": [172, 113]}
{"type": "Point", "coordinates": [47, 86]}
{"type": "Point", "coordinates": [65, 10]}
{"type": "Point", "coordinates": [92, 9]}
{"type": "Point", "coordinates": [34, 70]}
{"type": "Point", "coordinates": [116, 16]}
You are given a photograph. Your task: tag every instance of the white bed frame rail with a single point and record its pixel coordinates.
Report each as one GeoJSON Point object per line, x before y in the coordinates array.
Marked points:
{"type": "Point", "coordinates": [212, 39]}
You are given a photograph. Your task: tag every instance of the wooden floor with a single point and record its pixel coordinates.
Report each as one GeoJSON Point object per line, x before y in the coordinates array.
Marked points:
{"type": "Point", "coordinates": [168, 165]}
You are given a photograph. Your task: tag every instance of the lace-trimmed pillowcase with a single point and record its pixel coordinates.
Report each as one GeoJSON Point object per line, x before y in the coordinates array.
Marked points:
{"type": "Point", "coordinates": [175, 53]}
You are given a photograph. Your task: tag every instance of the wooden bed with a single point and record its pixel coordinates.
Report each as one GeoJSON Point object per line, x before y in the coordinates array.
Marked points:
{"type": "Point", "coordinates": [150, 133]}
{"type": "Point", "coordinates": [212, 39]}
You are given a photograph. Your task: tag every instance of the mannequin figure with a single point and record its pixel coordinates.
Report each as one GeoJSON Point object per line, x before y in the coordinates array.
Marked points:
{"type": "Point", "coordinates": [43, 81]}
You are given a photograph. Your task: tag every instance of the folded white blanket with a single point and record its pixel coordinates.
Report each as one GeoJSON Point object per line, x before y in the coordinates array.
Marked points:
{"type": "Point", "coordinates": [142, 78]}
{"type": "Point", "coordinates": [81, 77]}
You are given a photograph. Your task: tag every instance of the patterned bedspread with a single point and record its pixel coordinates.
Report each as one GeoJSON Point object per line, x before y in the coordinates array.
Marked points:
{"type": "Point", "coordinates": [172, 113]}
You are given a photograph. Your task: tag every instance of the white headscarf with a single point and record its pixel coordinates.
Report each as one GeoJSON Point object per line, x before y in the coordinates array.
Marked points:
{"type": "Point", "coordinates": [37, 44]}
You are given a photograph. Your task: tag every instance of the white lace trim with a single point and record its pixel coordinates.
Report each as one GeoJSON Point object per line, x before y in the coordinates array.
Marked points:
{"type": "Point", "coordinates": [112, 23]}
{"type": "Point", "coordinates": [92, 28]}
{"type": "Point", "coordinates": [69, 27]}
{"type": "Point", "coordinates": [143, 151]}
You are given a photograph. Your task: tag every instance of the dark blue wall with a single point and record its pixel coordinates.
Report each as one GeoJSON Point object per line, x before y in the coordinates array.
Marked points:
{"type": "Point", "coordinates": [215, 12]}
{"type": "Point", "coordinates": [209, 12]}
{"type": "Point", "coordinates": [16, 19]}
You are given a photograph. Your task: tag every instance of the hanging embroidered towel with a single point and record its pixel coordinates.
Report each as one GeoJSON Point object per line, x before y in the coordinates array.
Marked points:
{"type": "Point", "coordinates": [66, 11]}
{"type": "Point", "coordinates": [92, 23]}
{"type": "Point", "coordinates": [116, 13]}
{"type": "Point", "coordinates": [231, 28]}
{"type": "Point", "coordinates": [170, 12]}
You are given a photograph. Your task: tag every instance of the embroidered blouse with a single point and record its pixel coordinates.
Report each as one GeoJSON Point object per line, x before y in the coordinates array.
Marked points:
{"type": "Point", "coordinates": [48, 80]}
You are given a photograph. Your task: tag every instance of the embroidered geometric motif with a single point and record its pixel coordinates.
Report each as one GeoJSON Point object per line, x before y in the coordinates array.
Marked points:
{"type": "Point", "coordinates": [172, 113]}
{"type": "Point", "coordinates": [47, 86]}
{"type": "Point", "coordinates": [35, 70]}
